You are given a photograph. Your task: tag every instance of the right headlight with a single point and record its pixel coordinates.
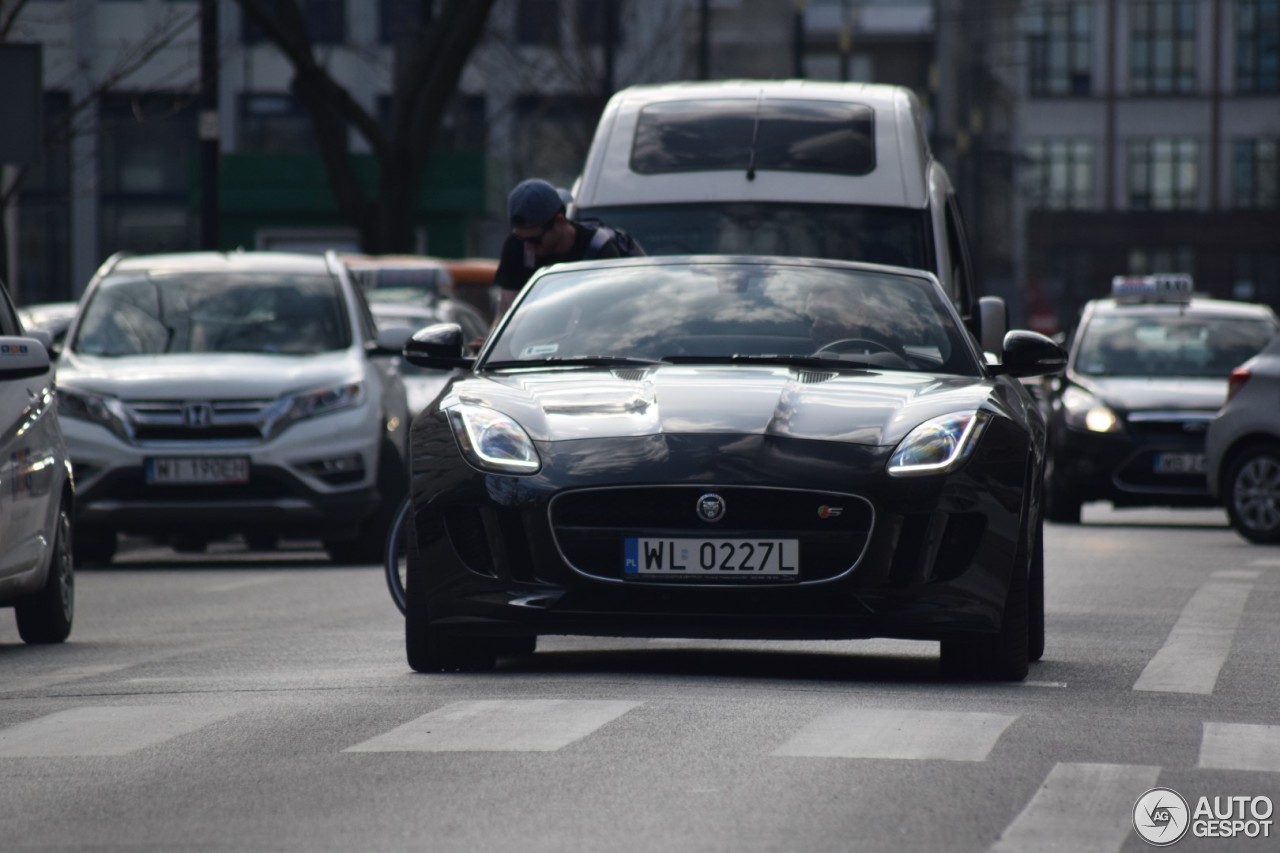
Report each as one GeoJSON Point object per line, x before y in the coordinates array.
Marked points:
{"type": "Point", "coordinates": [491, 441]}
{"type": "Point", "coordinates": [1085, 411]}
{"type": "Point", "coordinates": [100, 409]}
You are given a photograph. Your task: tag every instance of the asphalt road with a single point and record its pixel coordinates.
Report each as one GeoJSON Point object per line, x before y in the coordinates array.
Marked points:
{"type": "Point", "coordinates": [247, 702]}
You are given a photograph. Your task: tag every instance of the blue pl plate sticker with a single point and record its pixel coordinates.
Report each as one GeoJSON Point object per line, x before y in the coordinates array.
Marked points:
{"type": "Point", "coordinates": [631, 556]}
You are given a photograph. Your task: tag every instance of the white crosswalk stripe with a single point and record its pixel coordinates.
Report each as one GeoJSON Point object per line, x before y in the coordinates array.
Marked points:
{"type": "Point", "coordinates": [104, 730]}
{"type": "Point", "coordinates": [899, 733]}
{"type": "Point", "coordinates": [523, 725]}
{"type": "Point", "coordinates": [1197, 647]}
{"type": "Point", "coordinates": [1236, 746]}
{"type": "Point", "coordinates": [1081, 808]}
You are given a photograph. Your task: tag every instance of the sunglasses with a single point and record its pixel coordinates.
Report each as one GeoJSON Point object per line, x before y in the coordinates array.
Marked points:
{"type": "Point", "coordinates": [537, 239]}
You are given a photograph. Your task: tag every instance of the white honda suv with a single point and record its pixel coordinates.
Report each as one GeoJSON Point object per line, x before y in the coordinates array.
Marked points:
{"type": "Point", "coordinates": [207, 394]}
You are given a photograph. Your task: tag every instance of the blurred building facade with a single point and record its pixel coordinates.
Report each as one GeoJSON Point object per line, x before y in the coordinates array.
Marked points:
{"type": "Point", "coordinates": [1086, 138]}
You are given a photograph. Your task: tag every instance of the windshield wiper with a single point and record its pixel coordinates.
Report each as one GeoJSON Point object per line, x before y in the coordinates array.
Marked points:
{"type": "Point", "coordinates": [575, 361]}
{"type": "Point", "coordinates": [787, 360]}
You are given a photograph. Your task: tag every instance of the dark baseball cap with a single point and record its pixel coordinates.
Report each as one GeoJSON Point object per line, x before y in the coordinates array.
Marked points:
{"type": "Point", "coordinates": [533, 203]}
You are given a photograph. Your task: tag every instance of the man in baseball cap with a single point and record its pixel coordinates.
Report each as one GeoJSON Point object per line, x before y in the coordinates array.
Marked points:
{"type": "Point", "coordinates": [542, 234]}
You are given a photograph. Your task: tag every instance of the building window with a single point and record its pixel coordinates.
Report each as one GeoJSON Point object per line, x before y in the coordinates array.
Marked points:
{"type": "Point", "coordinates": [148, 163]}
{"type": "Point", "coordinates": [1059, 174]}
{"type": "Point", "coordinates": [538, 22]}
{"type": "Point", "coordinates": [552, 134]}
{"type": "Point", "coordinates": [44, 228]}
{"type": "Point", "coordinates": [593, 21]}
{"type": "Point", "coordinates": [1060, 36]}
{"type": "Point", "coordinates": [1163, 174]}
{"type": "Point", "coordinates": [1162, 46]}
{"type": "Point", "coordinates": [1257, 46]}
{"type": "Point", "coordinates": [1255, 173]}
{"type": "Point", "coordinates": [274, 124]}
{"type": "Point", "coordinates": [326, 22]}
{"type": "Point", "coordinates": [1147, 261]}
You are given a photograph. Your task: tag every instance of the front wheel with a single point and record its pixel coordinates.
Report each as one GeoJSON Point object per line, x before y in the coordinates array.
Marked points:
{"type": "Point", "coordinates": [1251, 489]}
{"type": "Point", "coordinates": [46, 616]}
{"type": "Point", "coordinates": [427, 647]}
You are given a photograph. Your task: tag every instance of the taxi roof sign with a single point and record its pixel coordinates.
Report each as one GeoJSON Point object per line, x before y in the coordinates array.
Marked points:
{"type": "Point", "coordinates": [1160, 287]}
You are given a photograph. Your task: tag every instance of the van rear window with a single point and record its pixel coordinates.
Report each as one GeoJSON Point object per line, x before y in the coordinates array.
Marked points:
{"type": "Point", "coordinates": [739, 134]}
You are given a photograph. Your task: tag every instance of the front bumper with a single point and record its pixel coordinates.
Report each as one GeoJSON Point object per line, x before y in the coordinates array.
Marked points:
{"type": "Point", "coordinates": [285, 492]}
{"type": "Point", "coordinates": [1122, 468]}
{"type": "Point", "coordinates": [930, 558]}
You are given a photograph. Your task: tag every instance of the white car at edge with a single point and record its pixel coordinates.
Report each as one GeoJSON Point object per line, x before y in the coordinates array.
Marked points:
{"type": "Point", "coordinates": [209, 394]}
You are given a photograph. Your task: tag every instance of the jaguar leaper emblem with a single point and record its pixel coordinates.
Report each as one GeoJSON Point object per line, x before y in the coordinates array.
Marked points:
{"type": "Point", "coordinates": [711, 507]}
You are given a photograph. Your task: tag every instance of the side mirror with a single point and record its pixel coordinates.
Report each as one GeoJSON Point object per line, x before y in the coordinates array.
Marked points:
{"type": "Point", "coordinates": [21, 358]}
{"type": "Point", "coordinates": [438, 347]}
{"type": "Point", "coordinates": [1030, 354]}
{"type": "Point", "coordinates": [993, 322]}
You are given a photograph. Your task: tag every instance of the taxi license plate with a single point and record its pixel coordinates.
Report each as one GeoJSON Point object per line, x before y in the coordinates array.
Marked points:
{"type": "Point", "coordinates": [1179, 463]}
{"type": "Point", "coordinates": [218, 469]}
{"type": "Point", "coordinates": [712, 558]}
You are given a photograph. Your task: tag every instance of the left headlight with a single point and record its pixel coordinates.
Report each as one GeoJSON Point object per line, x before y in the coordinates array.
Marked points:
{"type": "Point", "coordinates": [938, 445]}
{"type": "Point", "coordinates": [100, 409]}
{"type": "Point", "coordinates": [491, 441]}
{"type": "Point", "coordinates": [316, 402]}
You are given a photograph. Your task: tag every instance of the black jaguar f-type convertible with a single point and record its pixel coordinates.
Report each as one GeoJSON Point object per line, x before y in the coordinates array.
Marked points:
{"type": "Point", "coordinates": [729, 447]}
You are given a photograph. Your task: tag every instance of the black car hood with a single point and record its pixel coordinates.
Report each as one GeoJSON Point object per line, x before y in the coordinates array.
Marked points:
{"type": "Point", "coordinates": [1136, 394]}
{"type": "Point", "coordinates": [871, 408]}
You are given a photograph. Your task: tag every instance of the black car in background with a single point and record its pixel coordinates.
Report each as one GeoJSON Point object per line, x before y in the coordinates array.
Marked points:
{"type": "Point", "coordinates": [1146, 374]}
{"type": "Point", "coordinates": [729, 447]}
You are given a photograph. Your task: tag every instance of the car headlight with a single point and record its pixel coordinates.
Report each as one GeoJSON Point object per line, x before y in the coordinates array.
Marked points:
{"type": "Point", "coordinates": [100, 409]}
{"type": "Point", "coordinates": [938, 445]}
{"type": "Point", "coordinates": [1085, 411]}
{"type": "Point", "coordinates": [492, 441]}
{"type": "Point", "coordinates": [310, 404]}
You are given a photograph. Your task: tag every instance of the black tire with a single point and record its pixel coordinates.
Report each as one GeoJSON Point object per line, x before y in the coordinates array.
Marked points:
{"type": "Point", "coordinates": [1035, 598]}
{"type": "Point", "coordinates": [396, 558]}
{"type": "Point", "coordinates": [427, 647]}
{"type": "Point", "coordinates": [46, 616]}
{"type": "Point", "coordinates": [1251, 492]}
{"type": "Point", "coordinates": [93, 546]}
{"type": "Point", "coordinates": [516, 647]}
{"type": "Point", "coordinates": [1005, 655]}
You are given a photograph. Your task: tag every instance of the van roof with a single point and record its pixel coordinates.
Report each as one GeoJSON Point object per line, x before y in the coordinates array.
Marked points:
{"type": "Point", "coordinates": [902, 159]}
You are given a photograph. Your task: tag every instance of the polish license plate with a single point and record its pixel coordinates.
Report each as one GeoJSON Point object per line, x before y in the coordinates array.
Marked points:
{"type": "Point", "coordinates": [1179, 463]}
{"type": "Point", "coordinates": [720, 559]}
{"type": "Point", "coordinates": [214, 469]}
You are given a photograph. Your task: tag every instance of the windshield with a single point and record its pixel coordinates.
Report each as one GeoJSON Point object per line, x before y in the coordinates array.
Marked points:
{"type": "Point", "coordinates": [711, 311]}
{"type": "Point", "coordinates": [846, 232]}
{"type": "Point", "coordinates": [141, 314]}
{"type": "Point", "coordinates": [1170, 345]}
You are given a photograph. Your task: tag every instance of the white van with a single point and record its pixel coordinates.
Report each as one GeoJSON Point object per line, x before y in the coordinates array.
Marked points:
{"type": "Point", "coordinates": [784, 167]}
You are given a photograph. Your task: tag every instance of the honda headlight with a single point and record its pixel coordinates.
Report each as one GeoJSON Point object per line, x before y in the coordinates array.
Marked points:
{"type": "Point", "coordinates": [492, 441]}
{"type": "Point", "coordinates": [310, 404]}
{"type": "Point", "coordinates": [938, 445]}
{"type": "Point", "coordinates": [1085, 411]}
{"type": "Point", "coordinates": [103, 410]}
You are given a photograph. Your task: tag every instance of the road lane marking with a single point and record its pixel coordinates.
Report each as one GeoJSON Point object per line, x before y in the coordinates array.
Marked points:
{"type": "Point", "coordinates": [240, 584]}
{"type": "Point", "coordinates": [1237, 746]}
{"type": "Point", "coordinates": [104, 730]}
{"type": "Point", "coordinates": [1084, 808]}
{"type": "Point", "coordinates": [1266, 561]}
{"type": "Point", "coordinates": [899, 733]}
{"type": "Point", "coordinates": [1236, 575]}
{"type": "Point", "coordinates": [517, 725]}
{"type": "Point", "coordinates": [1198, 645]}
